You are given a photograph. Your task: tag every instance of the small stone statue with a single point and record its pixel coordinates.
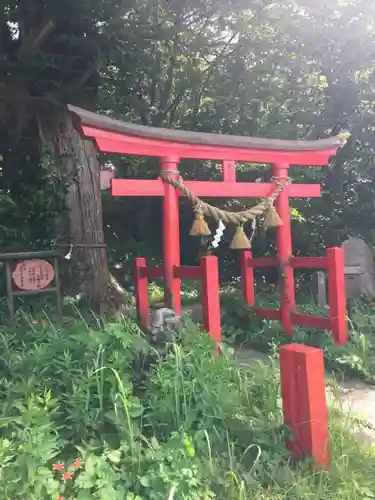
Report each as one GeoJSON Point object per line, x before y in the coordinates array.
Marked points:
{"type": "Point", "coordinates": [164, 324]}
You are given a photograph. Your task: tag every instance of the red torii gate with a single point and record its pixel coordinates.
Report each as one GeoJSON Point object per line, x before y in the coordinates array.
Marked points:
{"type": "Point", "coordinates": [115, 136]}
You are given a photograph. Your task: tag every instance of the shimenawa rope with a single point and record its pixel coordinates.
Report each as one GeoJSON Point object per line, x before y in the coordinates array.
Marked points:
{"type": "Point", "coordinates": [227, 217]}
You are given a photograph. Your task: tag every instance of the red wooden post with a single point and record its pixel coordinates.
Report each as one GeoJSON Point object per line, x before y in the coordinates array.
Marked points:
{"type": "Point", "coordinates": [284, 251]}
{"type": "Point", "coordinates": [210, 296]}
{"type": "Point", "coordinates": [247, 278]}
{"type": "Point", "coordinates": [171, 236]}
{"type": "Point", "coordinates": [337, 295]}
{"type": "Point", "coordinates": [229, 171]}
{"type": "Point", "coordinates": [304, 402]}
{"type": "Point", "coordinates": [141, 292]}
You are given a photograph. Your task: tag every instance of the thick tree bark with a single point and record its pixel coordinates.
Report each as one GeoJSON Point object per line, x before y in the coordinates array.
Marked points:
{"type": "Point", "coordinates": [77, 160]}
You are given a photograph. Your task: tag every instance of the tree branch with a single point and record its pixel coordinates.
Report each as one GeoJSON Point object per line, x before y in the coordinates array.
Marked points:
{"type": "Point", "coordinates": [90, 71]}
{"type": "Point", "coordinates": [36, 38]}
{"type": "Point", "coordinates": [209, 72]}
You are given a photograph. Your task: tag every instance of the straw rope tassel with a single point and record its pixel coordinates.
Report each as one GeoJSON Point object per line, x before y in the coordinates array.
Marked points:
{"type": "Point", "coordinates": [240, 240]}
{"type": "Point", "coordinates": [199, 227]}
{"type": "Point", "coordinates": [272, 218]}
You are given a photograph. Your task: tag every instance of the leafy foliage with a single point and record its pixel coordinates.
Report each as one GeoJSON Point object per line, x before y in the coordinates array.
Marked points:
{"type": "Point", "coordinates": [289, 70]}
{"type": "Point", "coordinates": [79, 420]}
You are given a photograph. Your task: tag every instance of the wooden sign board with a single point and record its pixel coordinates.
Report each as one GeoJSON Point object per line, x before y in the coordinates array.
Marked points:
{"type": "Point", "coordinates": [30, 273]}
{"type": "Point", "coordinates": [359, 269]}
{"type": "Point", "coordinates": [106, 177]}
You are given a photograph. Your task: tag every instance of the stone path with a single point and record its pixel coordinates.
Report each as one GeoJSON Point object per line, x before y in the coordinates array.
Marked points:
{"type": "Point", "coordinates": [356, 397]}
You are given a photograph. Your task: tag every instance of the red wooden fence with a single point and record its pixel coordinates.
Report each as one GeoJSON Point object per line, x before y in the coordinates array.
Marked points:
{"type": "Point", "coordinates": [207, 272]}
{"type": "Point", "coordinates": [333, 262]}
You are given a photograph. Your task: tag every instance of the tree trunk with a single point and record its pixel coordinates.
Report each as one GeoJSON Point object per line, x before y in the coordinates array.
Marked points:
{"type": "Point", "coordinates": [77, 160]}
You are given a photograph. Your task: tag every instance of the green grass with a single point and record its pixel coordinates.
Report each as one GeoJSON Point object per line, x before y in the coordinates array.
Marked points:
{"type": "Point", "coordinates": [187, 425]}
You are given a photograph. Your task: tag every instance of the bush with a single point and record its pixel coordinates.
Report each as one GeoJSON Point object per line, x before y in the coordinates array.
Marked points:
{"type": "Point", "coordinates": [81, 420]}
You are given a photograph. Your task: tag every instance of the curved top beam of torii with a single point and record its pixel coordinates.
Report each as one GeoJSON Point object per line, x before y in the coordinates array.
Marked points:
{"type": "Point", "coordinates": [116, 136]}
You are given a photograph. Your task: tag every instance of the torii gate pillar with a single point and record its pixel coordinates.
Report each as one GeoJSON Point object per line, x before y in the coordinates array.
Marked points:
{"type": "Point", "coordinates": [171, 235]}
{"type": "Point", "coordinates": [284, 251]}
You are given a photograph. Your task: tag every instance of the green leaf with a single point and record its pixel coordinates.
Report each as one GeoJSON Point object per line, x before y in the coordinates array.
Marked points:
{"type": "Point", "coordinates": [114, 456]}
{"type": "Point", "coordinates": [145, 481]}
